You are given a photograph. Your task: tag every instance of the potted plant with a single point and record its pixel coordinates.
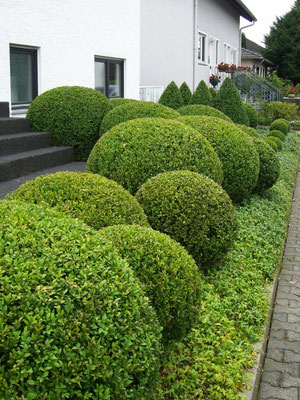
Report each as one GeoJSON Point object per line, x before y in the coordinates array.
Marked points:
{"type": "Point", "coordinates": [292, 91]}
{"type": "Point", "coordinates": [214, 80]}
{"type": "Point", "coordinates": [223, 67]}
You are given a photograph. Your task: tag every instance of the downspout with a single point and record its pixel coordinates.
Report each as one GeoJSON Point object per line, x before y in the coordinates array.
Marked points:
{"type": "Point", "coordinates": [240, 48]}
{"type": "Point", "coordinates": [195, 28]}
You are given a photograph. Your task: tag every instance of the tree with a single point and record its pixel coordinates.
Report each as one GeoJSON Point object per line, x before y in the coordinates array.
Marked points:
{"type": "Point", "coordinates": [171, 97]}
{"type": "Point", "coordinates": [283, 44]}
{"type": "Point", "coordinates": [244, 41]}
{"type": "Point", "coordinates": [202, 95]}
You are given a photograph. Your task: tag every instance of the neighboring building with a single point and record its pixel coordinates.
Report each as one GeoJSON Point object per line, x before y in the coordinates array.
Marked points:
{"type": "Point", "coordinates": [45, 44]}
{"type": "Point", "coordinates": [185, 40]}
{"type": "Point", "coordinates": [252, 57]}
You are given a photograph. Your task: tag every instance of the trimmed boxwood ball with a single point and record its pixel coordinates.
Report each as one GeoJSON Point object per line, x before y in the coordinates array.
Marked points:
{"type": "Point", "coordinates": [250, 131]}
{"type": "Point", "coordinates": [75, 321]}
{"type": "Point", "coordinates": [272, 143]}
{"type": "Point", "coordinates": [171, 97]}
{"type": "Point", "coordinates": [94, 199]}
{"type": "Point", "coordinates": [120, 102]}
{"type": "Point", "coordinates": [132, 152]}
{"type": "Point", "coordinates": [235, 150]}
{"type": "Point", "coordinates": [138, 109]}
{"type": "Point", "coordinates": [72, 114]}
{"type": "Point", "coordinates": [200, 109]}
{"type": "Point", "coordinates": [170, 276]}
{"type": "Point", "coordinates": [269, 169]}
{"type": "Point", "coordinates": [194, 210]}
{"type": "Point", "coordinates": [277, 141]}
{"type": "Point", "coordinates": [186, 93]}
{"type": "Point", "coordinates": [280, 125]}
{"type": "Point", "coordinates": [201, 95]}
{"type": "Point", "coordinates": [278, 134]}
{"type": "Point", "coordinates": [252, 115]}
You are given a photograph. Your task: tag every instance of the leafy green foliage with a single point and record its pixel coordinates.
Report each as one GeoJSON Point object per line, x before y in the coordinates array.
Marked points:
{"type": "Point", "coordinates": [94, 199]}
{"type": "Point", "coordinates": [134, 110]}
{"type": "Point", "coordinates": [231, 104]}
{"type": "Point", "coordinates": [271, 143]}
{"type": "Point", "coordinates": [278, 134]}
{"type": "Point", "coordinates": [74, 320]}
{"type": "Point", "coordinates": [201, 95]}
{"type": "Point", "coordinates": [214, 96]}
{"type": "Point", "coordinates": [169, 274]}
{"type": "Point", "coordinates": [193, 210]}
{"type": "Point", "coordinates": [171, 97]}
{"type": "Point", "coordinates": [282, 44]}
{"type": "Point", "coordinates": [186, 93]}
{"type": "Point", "coordinates": [269, 166]}
{"type": "Point", "coordinates": [200, 109]}
{"type": "Point", "coordinates": [269, 112]}
{"type": "Point", "coordinates": [250, 131]}
{"type": "Point", "coordinates": [132, 152]}
{"type": "Point", "coordinates": [236, 151]}
{"type": "Point", "coordinates": [277, 141]}
{"type": "Point", "coordinates": [252, 115]}
{"type": "Point", "coordinates": [72, 114]}
{"type": "Point", "coordinates": [280, 125]}
{"type": "Point", "coordinates": [120, 102]}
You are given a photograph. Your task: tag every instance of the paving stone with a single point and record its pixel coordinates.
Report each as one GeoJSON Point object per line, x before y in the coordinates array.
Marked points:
{"type": "Point", "coordinates": [269, 392]}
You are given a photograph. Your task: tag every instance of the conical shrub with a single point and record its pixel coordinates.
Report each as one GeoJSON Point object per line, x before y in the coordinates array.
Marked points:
{"type": "Point", "coordinates": [201, 95]}
{"type": "Point", "coordinates": [213, 93]}
{"type": "Point", "coordinates": [171, 97]}
{"type": "Point", "coordinates": [186, 93]}
{"type": "Point", "coordinates": [230, 103]}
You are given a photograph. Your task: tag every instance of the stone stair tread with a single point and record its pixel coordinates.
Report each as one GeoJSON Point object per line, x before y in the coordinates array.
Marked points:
{"type": "Point", "coordinates": [22, 135]}
{"type": "Point", "coordinates": [32, 153]}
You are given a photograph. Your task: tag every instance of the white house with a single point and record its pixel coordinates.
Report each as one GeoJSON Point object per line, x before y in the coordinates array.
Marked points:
{"type": "Point", "coordinates": [185, 40]}
{"type": "Point", "coordinates": [50, 43]}
{"type": "Point", "coordinates": [252, 57]}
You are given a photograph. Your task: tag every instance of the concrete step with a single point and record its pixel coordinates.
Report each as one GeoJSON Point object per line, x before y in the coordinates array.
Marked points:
{"type": "Point", "coordinates": [19, 164]}
{"type": "Point", "coordinates": [4, 109]}
{"type": "Point", "coordinates": [14, 125]}
{"type": "Point", "coordinates": [21, 142]}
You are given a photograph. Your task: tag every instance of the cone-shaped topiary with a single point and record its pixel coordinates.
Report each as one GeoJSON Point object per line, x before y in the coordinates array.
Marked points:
{"type": "Point", "coordinates": [252, 115]}
{"type": "Point", "coordinates": [186, 93]}
{"type": "Point", "coordinates": [200, 109]}
{"type": "Point", "coordinates": [236, 151]}
{"type": "Point", "coordinates": [278, 134]}
{"type": "Point", "coordinates": [201, 95]}
{"type": "Point", "coordinates": [120, 102]}
{"type": "Point", "coordinates": [277, 141]}
{"type": "Point", "coordinates": [280, 125]}
{"type": "Point", "coordinates": [171, 97]}
{"type": "Point", "coordinates": [74, 320]}
{"type": "Point", "coordinates": [250, 131]}
{"type": "Point", "coordinates": [94, 199]}
{"type": "Point", "coordinates": [72, 114]}
{"type": "Point", "coordinates": [134, 110]}
{"type": "Point", "coordinates": [134, 151]}
{"type": "Point", "coordinates": [193, 210]}
{"type": "Point", "coordinates": [269, 168]}
{"type": "Point", "coordinates": [272, 143]}
{"type": "Point", "coordinates": [169, 274]}
{"type": "Point", "coordinates": [213, 93]}
{"type": "Point", "coordinates": [231, 104]}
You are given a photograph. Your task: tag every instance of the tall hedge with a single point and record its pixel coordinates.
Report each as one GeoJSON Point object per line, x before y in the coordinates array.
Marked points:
{"type": "Point", "coordinates": [171, 97]}
{"type": "Point", "coordinates": [231, 104]}
{"type": "Point", "coordinates": [72, 114]}
{"type": "Point", "coordinates": [94, 199]}
{"type": "Point", "coordinates": [186, 93]}
{"type": "Point", "coordinates": [201, 95]}
{"type": "Point", "coordinates": [74, 320]}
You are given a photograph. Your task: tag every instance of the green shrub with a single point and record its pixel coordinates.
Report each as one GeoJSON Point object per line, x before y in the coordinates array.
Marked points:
{"type": "Point", "coordinates": [277, 141]}
{"type": "Point", "coordinates": [250, 131]}
{"type": "Point", "coordinates": [74, 320]}
{"type": "Point", "coordinates": [138, 109]}
{"type": "Point", "coordinates": [194, 210]}
{"type": "Point", "coordinates": [186, 93]}
{"type": "Point", "coordinates": [201, 95]}
{"type": "Point", "coordinates": [231, 104]}
{"type": "Point", "coordinates": [269, 169]}
{"type": "Point", "coordinates": [236, 151]}
{"type": "Point", "coordinates": [169, 274]}
{"type": "Point", "coordinates": [137, 150]}
{"type": "Point", "coordinates": [72, 114]}
{"type": "Point", "coordinates": [280, 125]}
{"type": "Point", "coordinates": [278, 134]}
{"type": "Point", "coordinates": [94, 199]}
{"type": "Point", "coordinates": [120, 102]}
{"type": "Point", "coordinates": [200, 109]}
{"type": "Point", "coordinates": [252, 115]}
{"type": "Point", "coordinates": [214, 95]}
{"type": "Point", "coordinates": [171, 97]}
{"type": "Point", "coordinates": [269, 112]}
{"type": "Point", "coordinates": [271, 143]}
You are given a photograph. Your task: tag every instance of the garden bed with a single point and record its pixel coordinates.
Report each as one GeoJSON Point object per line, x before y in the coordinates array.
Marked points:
{"type": "Point", "coordinates": [212, 363]}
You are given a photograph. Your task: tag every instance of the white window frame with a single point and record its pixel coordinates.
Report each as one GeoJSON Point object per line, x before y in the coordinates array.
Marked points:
{"type": "Point", "coordinates": [202, 48]}
{"type": "Point", "coordinates": [217, 54]}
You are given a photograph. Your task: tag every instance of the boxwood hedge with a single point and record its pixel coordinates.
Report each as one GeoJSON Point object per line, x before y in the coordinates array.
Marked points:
{"type": "Point", "coordinates": [252, 115]}
{"type": "Point", "coordinates": [280, 125]}
{"type": "Point", "coordinates": [250, 131]}
{"type": "Point", "coordinates": [134, 151]}
{"type": "Point", "coordinates": [74, 320]}
{"type": "Point", "coordinates": [72, 114]}
{"type": "Point", "coordinates": [169, 274]}
{"type": "Point", "coordinates": [120, 102]}
{"type": "Point", "coordinates": [94, 199]}
{"type": "Point", "coordinates": [138, 109]}
{"type": "Point", "coordinates": [171, 97]}
{"type": "Point", "coordinates": [277, 141]}
{"type": "Point", "coordinates": [201, 95]}
{"type": "Point", "coordinates": [236, 151]}
{"type": "Point", "coordinates": [186, 93]}
{"type": "Point", "coordinates": [278, 134]}
{"type": "Point", "coordinates": [193, 210]}
{"type": "Point", "coordinates": [272, 143]}
{"type": "Point", "coordinates": [200, 109]}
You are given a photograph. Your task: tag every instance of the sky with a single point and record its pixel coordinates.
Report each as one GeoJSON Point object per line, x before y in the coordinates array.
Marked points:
{"type": "Point", "coordinates": [265, 12]}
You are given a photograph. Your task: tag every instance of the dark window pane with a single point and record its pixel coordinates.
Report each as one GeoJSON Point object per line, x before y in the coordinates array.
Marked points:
{"type": "Point", "coordinates": [115, 77]}
{"type": "Point", "coordinates": [21, 70]}
{"type": "Point", "coordinates": [100, 76]}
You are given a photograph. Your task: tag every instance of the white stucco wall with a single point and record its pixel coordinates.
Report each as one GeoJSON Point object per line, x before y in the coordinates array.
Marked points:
{"type": "Point", "coordinates": [68, 34]}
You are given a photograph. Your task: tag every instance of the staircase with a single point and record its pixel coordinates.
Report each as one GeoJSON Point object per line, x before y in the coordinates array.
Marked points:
{"type": "Point", "coordinates": [25, 154]}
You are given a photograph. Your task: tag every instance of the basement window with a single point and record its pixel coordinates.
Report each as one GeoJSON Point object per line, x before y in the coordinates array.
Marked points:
{"type": "Point", "coordinates": [109, 77]}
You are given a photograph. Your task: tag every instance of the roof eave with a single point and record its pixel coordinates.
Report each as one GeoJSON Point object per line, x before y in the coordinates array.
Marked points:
{"type": "Point", "coordinates": [243, 10]}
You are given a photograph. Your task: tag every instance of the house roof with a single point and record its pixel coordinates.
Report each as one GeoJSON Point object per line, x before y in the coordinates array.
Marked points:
{"type": "Point", "coordinates": [242, 9]}
{"type": "Point", "coordinates": [253, 55]}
